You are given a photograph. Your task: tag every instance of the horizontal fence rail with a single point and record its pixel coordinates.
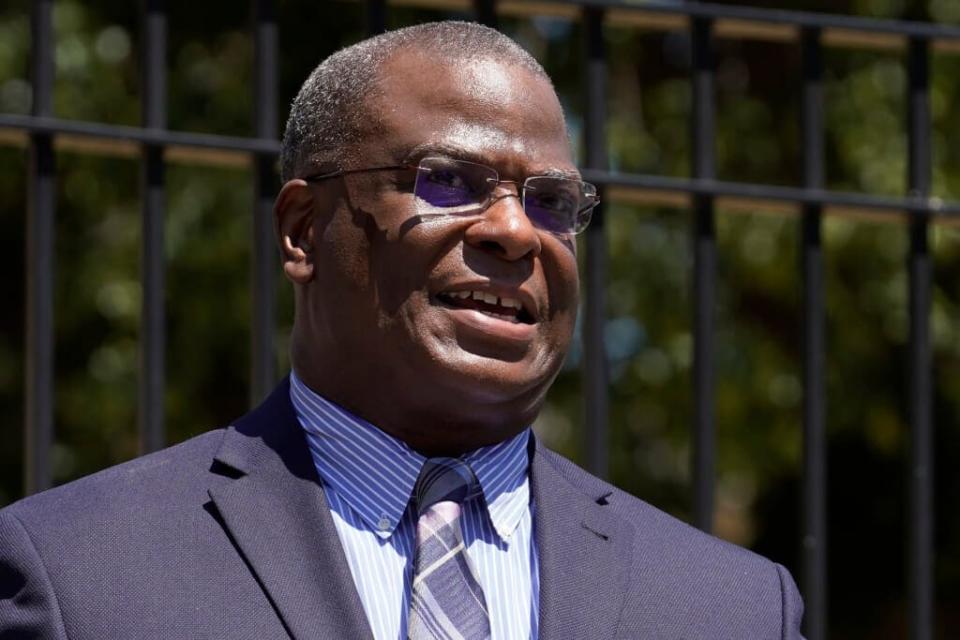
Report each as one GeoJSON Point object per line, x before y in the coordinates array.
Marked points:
{"type": "Point", "coordinates": [44, 135]}
{"type": "Point", "coordinates": [202, 148]}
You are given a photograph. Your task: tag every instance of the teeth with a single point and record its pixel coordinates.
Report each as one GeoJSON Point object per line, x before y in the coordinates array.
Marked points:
{"type": "Point", "coordinates": [489, 298]}
{"type": "Point", "coordinates": [510, 303]}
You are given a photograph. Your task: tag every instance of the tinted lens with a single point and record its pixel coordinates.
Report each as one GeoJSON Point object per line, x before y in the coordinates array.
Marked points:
{"type": "Point", "coordinates": [452, 186]}
{"type": "Point", "coordinates": [554, 204]}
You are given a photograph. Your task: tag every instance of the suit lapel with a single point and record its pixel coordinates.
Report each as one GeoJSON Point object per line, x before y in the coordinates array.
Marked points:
{"type": "Point", "coordinates": [277, 516]}
{"type": "Point", "coordinates": [275, 512]}
{"type": "Point", "coordinates": [584, 552]}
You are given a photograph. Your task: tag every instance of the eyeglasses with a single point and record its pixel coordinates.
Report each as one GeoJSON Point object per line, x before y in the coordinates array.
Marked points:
{"type": "Point", "coordinates": [449, 187]}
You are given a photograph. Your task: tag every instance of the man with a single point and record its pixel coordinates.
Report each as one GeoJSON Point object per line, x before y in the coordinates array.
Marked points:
{"type": "Point", "coordinates": [391, 487]}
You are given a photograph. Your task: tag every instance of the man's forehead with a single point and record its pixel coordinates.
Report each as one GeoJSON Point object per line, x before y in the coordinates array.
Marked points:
{"type": "Point", "coordinates": [482, 110]}
{"type": "Point", "coordinates": [494, 81]}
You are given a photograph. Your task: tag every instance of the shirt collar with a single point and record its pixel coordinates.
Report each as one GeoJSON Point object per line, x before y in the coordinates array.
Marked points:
{"type": "Point", "coordinates": [374, 473]}
{"type": "Point", "coordinates": [501, 470]}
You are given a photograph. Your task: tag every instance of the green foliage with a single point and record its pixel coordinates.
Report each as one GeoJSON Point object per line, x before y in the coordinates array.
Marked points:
{"type": "Point", "coordinates": [648, 292]}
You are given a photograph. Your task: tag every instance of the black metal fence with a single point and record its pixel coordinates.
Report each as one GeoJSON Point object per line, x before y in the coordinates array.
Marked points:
{"type": "Point", "coordinates": [811, 32]}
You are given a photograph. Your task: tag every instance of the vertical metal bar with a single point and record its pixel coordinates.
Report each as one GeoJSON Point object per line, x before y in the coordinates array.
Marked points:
{"type": "Point", "coordinates": [704, 274]}
{"type": "Point", "coordinates": [264, 247]}
{"type": "Point", "coordinates": [814, 545]}
{"type": "Point", "coordinates": [38, 412]}
{"type": "Point", "coordinates": [921, 451]}
{"type": "Point", "coordinates": [152, 325]}
{"type": "Point", "coordinates": [486, 12]}
{"type": "Point", "coordinates": [376, 17]}
{"type": "Point", "coordinates": [595, 374]}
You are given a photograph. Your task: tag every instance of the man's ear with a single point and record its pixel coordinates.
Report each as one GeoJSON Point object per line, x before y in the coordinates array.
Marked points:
{"type": "Point", "coordinates": [293, 214]}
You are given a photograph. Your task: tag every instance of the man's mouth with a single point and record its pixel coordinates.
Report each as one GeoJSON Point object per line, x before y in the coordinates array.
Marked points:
{"type": "Point", "coordinates": [500, 307]}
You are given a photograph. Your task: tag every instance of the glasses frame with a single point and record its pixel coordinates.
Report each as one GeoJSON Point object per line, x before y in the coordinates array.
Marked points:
{"type": "Point", "coordinates": [496, 181]}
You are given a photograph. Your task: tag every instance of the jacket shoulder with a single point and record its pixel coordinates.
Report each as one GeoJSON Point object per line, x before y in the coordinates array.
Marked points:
{"type": "Point", "coordinates": [687, 583]}
{"type": "Point", "coordinates": [150, 481]}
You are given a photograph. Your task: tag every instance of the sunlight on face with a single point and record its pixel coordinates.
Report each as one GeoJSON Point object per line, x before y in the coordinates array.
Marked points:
{"type": "Point", "coordinates": [492, 80]}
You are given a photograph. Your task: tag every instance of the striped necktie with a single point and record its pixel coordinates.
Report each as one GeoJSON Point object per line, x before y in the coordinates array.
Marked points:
{"type": "Point", "coordinates": [446, 601]}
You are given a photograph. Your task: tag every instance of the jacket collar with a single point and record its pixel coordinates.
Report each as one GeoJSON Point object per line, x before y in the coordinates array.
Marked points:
{"type": "Point", "coordinates": [584, 548]}
{"type": "Point", "coordinates": [277, 516]}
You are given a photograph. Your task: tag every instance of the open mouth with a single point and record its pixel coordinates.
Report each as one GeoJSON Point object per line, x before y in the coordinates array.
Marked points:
{"type": "Point", "coordinates": [501, 308]}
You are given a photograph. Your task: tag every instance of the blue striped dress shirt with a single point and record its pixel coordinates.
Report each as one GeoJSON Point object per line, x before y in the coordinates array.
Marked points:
{"type": "Point", "coordinates": [368, 478]}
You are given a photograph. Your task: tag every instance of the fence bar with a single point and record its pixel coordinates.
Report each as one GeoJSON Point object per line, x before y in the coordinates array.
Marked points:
{"type": "Point", "coordinates": [764, 15]}
{"type": "Point", "coordinates": [486, 12]}
{"type": "Point", "coordinates": [814, 522]}
{"type": "Point", "coordinates": [38, 409]}
{"type": "Point", "coordinates": [862, 202]}
{"type": "Point", "coordinates": [595, 374]}
{"type": "Point", "coordinates": [152, 325]}
{"type": "Point", "coordinates": [263, 276]}
{"type": "Point", "coordinates": [165, 137]}
{"type": "Point", "coordinates": [921, 450]}
{"type": "Point", "coordinates": [704, 273]}
{"type": "Point", "coordinates": [881, 206]}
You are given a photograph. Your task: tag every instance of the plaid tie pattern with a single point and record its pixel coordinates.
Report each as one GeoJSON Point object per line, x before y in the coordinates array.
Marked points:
{"type": "Point", "coordinates": [446, 601]}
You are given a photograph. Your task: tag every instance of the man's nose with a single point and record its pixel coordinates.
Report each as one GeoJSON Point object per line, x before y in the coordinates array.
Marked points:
{"type": "Point", "coordinates": [505, 229]}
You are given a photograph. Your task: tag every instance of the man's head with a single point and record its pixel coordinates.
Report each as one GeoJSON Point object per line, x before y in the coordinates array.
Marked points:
{"type": "Point", "coordinates": [395, 312]}
{"type": "Point", "coordinates": [332, 113]}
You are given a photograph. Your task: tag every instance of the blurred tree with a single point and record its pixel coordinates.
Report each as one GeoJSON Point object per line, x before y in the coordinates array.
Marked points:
{"type": "Point", "coordinates": [648, 334]}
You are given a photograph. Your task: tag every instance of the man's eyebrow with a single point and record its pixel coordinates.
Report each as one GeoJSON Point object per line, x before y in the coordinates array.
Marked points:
{"type": "Point", "coordinates": [570, 174]}
{"type": "Point", "coordinates": [426, 149]}
{"type": "Point", "coordinates": [421, 151]}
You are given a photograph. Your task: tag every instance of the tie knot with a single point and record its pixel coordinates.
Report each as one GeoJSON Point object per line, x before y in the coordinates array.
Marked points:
{"type": "Point", "coordinates": [444, 480]}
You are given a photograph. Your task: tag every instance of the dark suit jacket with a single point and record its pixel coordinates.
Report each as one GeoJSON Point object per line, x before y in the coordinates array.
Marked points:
{"type": "Point", "coordinates": [229, 535]}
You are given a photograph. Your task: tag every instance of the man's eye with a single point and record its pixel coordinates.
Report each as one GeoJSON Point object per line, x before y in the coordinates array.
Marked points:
{"type": "Point", "coordinates": [553, 201]}
{"type": "Point", "coordinates": [449, 179]}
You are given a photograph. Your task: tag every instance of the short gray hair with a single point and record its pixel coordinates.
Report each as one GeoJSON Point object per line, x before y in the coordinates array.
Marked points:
{"type": "Point", "coordinates": [327, 115]}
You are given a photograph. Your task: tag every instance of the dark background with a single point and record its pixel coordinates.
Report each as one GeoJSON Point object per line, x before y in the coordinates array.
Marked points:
{"type": "Point", "coordinates": [648, 334]}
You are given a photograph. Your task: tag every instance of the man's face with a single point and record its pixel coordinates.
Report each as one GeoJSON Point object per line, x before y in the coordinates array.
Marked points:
{"type": "Point", "coordinates": [393, 309]}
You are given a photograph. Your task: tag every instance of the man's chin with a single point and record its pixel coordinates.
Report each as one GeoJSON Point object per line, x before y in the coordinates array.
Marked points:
{"type": "Point", "coordinates": [486, 377]}
{"type": "Point", "coordinates": [478, 371]}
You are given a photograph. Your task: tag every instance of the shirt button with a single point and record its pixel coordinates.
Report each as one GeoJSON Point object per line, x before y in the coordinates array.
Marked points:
{"type": "Point", "coordinates": [384, 523]}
